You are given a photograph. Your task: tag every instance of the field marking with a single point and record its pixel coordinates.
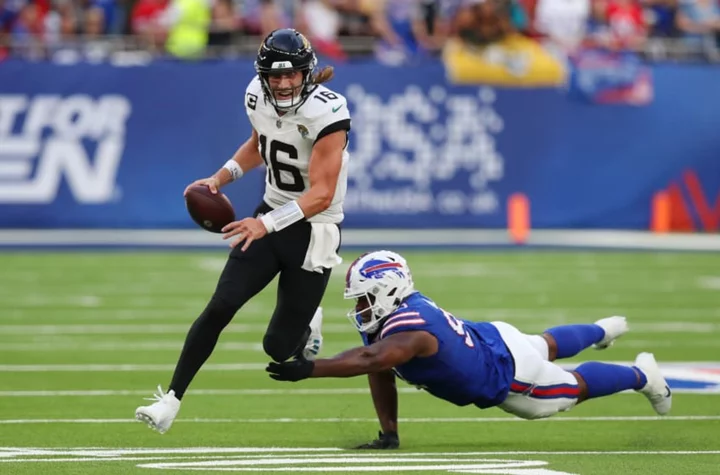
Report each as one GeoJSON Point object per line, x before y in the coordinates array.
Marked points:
{"type": "Point", "coordinates": [257, 392]}
{"type": "Point", "coordinates": [315, 460]}
{"type": "Point", "coordinates": [334, 420]}
{"type": "Point", "coordinates": [199, 392]}
{"type": "Point", "coordinates": [176, 345]}
{"type": "Point", "coordinates": [135, 329]}
{"type": "Point", "coordinates": [351, 464]}
{"type": "Point", "coordinates": [112, 451]}
{"type": "Point", "coordinates": [709, 282]}
{"type": "Point", "coordinates": [117, 345]}
{"type": "Point", "coordinates": [55, 368]}
{"type": "Point", "coordinates": [284, 453]}
{"type": "Point", "coordinates": [91, 367]}
{"type": "Point", "coordinates": [170, 238]}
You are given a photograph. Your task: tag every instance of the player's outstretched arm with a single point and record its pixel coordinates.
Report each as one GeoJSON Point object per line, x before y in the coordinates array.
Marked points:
{"type": "Point", "coordinates": [323, 172]}
{"type": "Point", "coordinates": [245, 158]}
{"type": "Point", "coordinates": [379, 357]}
{"type": "Point", "coordinates": [385, 399]}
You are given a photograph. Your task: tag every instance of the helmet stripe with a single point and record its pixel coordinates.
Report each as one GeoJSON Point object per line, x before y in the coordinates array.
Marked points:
{"type": "Point", "coordinates": [385, 265]}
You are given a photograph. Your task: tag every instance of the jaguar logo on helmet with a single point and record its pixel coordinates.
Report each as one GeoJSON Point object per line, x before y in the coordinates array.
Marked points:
{"type": "Point", "coordinates": [305, 41]}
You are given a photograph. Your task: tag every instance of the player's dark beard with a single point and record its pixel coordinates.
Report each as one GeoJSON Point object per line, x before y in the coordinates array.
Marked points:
{"type": "Point", "coordinates": [363, 308]}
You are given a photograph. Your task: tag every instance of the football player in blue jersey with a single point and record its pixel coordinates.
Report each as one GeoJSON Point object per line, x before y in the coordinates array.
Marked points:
{"type": "Point", "coordinates": [487, 364]}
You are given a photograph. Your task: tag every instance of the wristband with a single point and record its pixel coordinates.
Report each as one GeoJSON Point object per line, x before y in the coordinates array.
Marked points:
{"type": "Point", "coordinates": [282, 217]}
{"type": "Point", "coordinates": [234, 168]}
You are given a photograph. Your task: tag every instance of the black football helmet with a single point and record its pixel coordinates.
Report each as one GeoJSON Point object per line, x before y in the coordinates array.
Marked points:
{"type": "Point", "coordinates": [286, 50]}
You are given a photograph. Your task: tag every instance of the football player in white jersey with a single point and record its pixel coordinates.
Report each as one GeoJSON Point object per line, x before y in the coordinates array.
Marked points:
{"type": "Point", "coordinates": [300, 132]}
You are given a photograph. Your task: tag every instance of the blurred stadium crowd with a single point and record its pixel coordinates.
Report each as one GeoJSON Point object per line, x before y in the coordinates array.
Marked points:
{"type": "Point", "coordinates": [394, 31]}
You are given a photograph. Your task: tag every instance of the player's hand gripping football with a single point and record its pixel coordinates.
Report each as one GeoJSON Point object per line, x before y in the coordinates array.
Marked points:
{"type": "Point", "coordinates": [212, 183]}
{"type": "Point", "coordinates": [385, 441]}
{"type": "Point", "coordinates": [248, 230]}
{"type": "Point", "coordinates": [294, 370]}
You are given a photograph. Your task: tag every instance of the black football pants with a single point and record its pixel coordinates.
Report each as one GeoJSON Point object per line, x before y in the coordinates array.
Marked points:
{"type": "Point", "coordinates": [247, 273]}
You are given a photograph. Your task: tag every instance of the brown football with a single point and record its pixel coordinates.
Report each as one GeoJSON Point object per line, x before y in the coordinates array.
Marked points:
{"type": "Point", "coordinates": [210, 211]}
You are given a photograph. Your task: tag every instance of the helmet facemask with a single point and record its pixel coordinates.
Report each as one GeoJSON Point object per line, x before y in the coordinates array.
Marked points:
{"type": "Point", "coordinates": [298, 93]}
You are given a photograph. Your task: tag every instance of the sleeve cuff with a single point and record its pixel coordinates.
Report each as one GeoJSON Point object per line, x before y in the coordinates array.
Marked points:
{"type": "Point", "coordinates": [334, 127]}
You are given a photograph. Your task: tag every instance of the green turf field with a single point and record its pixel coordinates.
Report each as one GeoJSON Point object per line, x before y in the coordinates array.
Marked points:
{"type": "Point", "coordinates": [84, 337]}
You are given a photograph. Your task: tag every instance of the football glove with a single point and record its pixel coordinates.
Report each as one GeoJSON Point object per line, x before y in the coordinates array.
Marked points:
{"type": "Point", "coordinates": [385, 441]}
{"type": "Point", "coordinates": [293, 370]}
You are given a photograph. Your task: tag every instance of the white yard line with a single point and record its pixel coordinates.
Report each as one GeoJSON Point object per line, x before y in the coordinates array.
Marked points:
{"type": "Point", "coordinates": [290, 420]}
{"type": "Point", "coordinates": [296, 452]}
{"type": "Point", "coordinates": [54, 368]}
{"type": "Point", "coordinates": [371, 238]}
{"type": "Point", "coordinates": [197, 392]}
{"type": "Point", "coordinates": [150, 346]}
{"type": "Point", "coordinates": [253, 392]}
{"type": "Point", "coordinates": [316, 460]}
{"type": "Point", "coordinates": [91, 367]}
{"type": "Point", "coordinates": [709, 282]}
{"type": "Point", "coordinates": [161, 345]}
{"type": "Point", "coordinates": [136, 329]}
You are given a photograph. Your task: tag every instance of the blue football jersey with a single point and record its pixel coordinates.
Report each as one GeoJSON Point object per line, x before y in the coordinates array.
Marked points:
{"type": "Point", "coordinates": [472, 364]}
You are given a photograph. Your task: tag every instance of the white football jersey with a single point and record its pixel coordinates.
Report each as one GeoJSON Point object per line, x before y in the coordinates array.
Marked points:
{"type": "Point", "coordinates": [286, 144]}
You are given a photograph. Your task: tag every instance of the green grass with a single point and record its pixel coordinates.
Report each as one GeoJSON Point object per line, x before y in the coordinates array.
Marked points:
{"type": "Point", "coordinates": [123, 308]}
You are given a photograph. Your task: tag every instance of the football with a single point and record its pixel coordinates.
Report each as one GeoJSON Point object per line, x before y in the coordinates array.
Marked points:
{"type": "Point", "coordinates": [210, 211]}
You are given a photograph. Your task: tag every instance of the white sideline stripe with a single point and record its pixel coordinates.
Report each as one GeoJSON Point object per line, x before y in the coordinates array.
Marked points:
{"type": "Point", "coordinates": [335, 420]}
{"type": "Point", "coordinates": [371, 238]}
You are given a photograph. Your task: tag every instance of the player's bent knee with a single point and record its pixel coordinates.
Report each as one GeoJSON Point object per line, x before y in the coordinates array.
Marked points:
{"type": "Point", "coordinates": [531, 408]}
{"type": "Point", "coordinates": [279, 348]}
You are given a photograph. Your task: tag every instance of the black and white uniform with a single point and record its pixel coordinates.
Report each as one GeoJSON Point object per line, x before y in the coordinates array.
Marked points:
{"type": "Point", "coordinates": [303, 253]}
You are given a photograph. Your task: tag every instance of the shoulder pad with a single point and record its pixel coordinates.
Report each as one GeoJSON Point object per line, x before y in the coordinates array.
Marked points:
{"type": "Point", "coordinates": [323, 108]}
{"type": "Point", "coordinates": [321, 102]}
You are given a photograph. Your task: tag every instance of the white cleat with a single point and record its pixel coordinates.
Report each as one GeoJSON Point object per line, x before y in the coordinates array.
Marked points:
{"type": "Point", "coordinates": [315, 340]}
{"type": "Point", "coordinates": [160, 415]}
{"type": "Point", "coordinates": [614, 327]}
{"type": "Point", "coordinates": [656, 390]}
